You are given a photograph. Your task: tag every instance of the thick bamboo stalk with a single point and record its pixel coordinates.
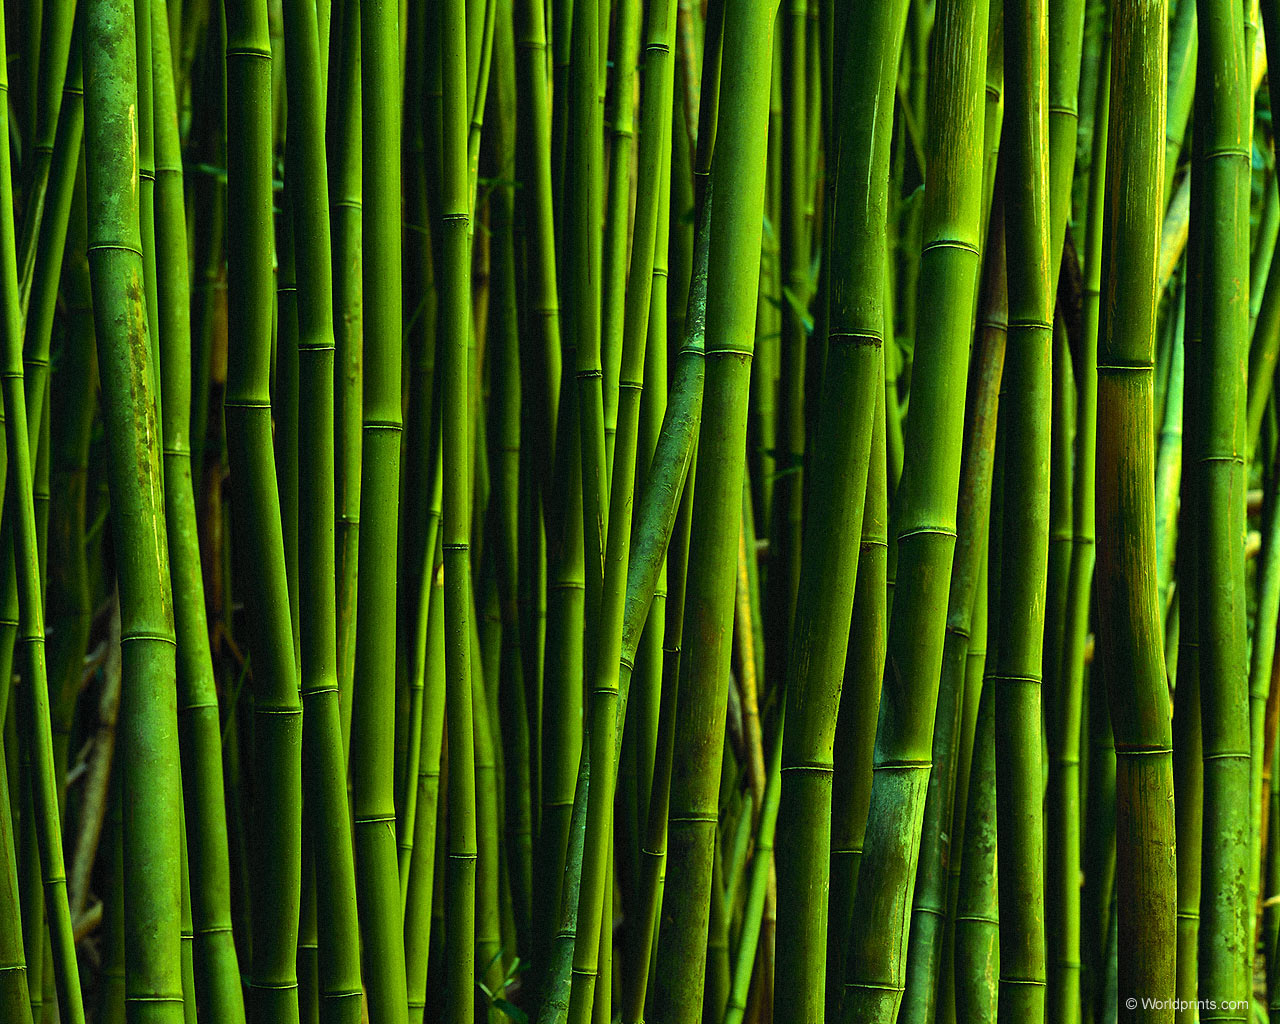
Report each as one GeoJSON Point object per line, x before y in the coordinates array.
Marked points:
{"type": "Point", "coordinates": [148, 727]}
{"type": "Point", "coordinates": [938, 840]}
{"type": "Point", "coordinates": [826, 571]}
{"type": "Point", "coordinates": [1131, 624]}
{"type": "Point", "coordinates": [731, 289]}
{"type": "Point", "coordinates": [925, 524]}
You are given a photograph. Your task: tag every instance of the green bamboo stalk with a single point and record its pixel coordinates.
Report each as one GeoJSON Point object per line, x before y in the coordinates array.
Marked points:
{"type": "Point", "coordinates": [218, 988]}
{"type": "Point", "coordinates": [621, 133]}
{"type": "Point", "coordinates": [505, 410]}
{"type": "Point", "coordinates": [1187, 728]}
{"type": "Point", "coordinates": [606, 708]}
{"type": "Point", "coordinates": [346, 219]}
{"type": "Point", "coordinates": [1131, 627]}
{"type": "Point", "coordinates": [1271, 913]}
{"type": "Point", "coordinates": [259, 537]}
{"type": "Point", "coordinates": [419, 891]}
{"type": "Point", "coordinates": [534, 165]}
{"type": "Point", "coordinates": [977, 953]}
{"type": "Point", "coordinates": [373, 712]}
{"type": "Point", "coordinates": [829, 561]}
{"type": "Point", "coordinates": [975, 663]}
{"type": "Point", "coordinates": [1183, 48]}
{"type": "Point", "coordinates": [15, 999]}
{"type": "Point", "coordinates": [460, 881]}
{"type": "Point", "coordinates": [31, 892]}
{"type": "Point", "coordinates": [53, 68]}
{"type": "Point", "coordinates": [735, 235]}
{"type": "Point", "coordinates": [788, 494]}
{"type": "Point", "coordinates": [111, 998]}
{"type": "Point", "coordinates": [644, 936]}
{"type": "Point", "coordinates": [488, 938]}
{"type": "Point", "coordinates": [1218, 389]}
{"type": "Point", "coordinates": [49, 244]}
{"type": "Point", "coordinates": [33, 709]}
{"type": "Point", "coordinates": [1062, 986]}
{"type": "Point", "coordinates": [1063, 845]}
{"type": "Point", "coordinates": [583, 214]}
{"type": "Point", "coordinates": [1024, 544]}
{"type": "Point", "coordinates": [977, 915]}
{"type": "Point", "coordinates": [757, 891]}
{"type": "Point", "coordinates": [938, 842]}
{"type": "Point", "coordinates": [323, 754]}
{"type": "Point", "coordinates": [860, 692]}
{"type": "Point", "coordinates": [924, 513]}
{"type": "Point", "coordinates": [1261, 665]}
{"type": "Point", "coordinates": [148, 714]}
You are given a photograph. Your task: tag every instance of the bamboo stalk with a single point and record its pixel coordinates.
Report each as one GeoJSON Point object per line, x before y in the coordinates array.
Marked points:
{"type": "Point", "coordinates": [148, 712]}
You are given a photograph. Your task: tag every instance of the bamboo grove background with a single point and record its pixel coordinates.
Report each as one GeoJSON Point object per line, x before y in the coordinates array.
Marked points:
{"type": "Point", "coordinates": [567, 511]}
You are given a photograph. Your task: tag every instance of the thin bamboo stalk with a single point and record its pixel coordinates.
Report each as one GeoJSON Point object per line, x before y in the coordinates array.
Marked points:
{"type": "Point", "coordinates": [214, 955]}
{"type": "Point", "coordinates": [460, 880]}
{"type": "Point", "coordinates": [1218, 390]}
{"type": "Point", "coordinates": [323, 754]}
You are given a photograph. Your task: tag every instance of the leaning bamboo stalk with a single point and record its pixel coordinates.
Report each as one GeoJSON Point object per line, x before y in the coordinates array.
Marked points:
{"type": "Point", "coordinates": [34, 709]}
{"type": "Point", "coordinates": [148, 715]}
{"type": "Point", "coordinates": [925, 523]}
{"type": "Point", "coordinates": [259, 536]}
{"type": "Point", "coordinates": [57, 43]}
